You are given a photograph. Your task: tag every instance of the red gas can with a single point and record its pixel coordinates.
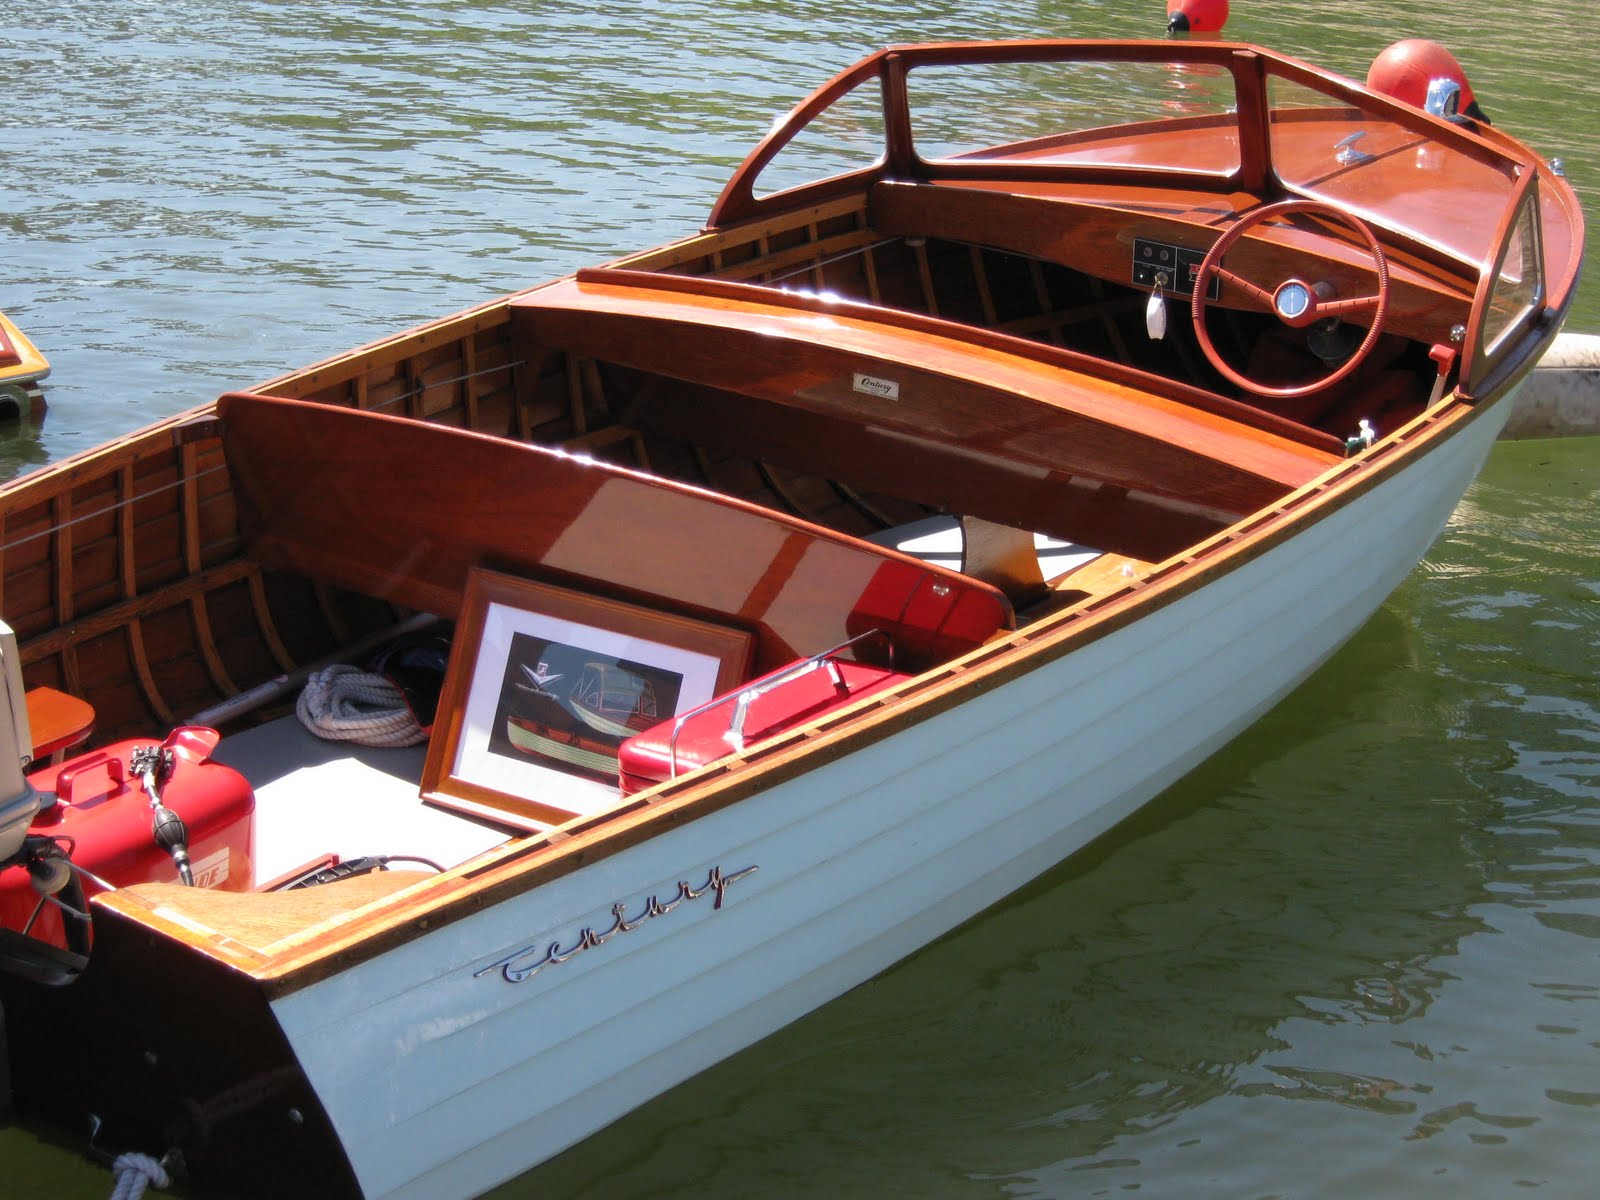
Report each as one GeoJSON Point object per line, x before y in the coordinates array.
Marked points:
{"type": "Point", "coordinates": [102, 817]}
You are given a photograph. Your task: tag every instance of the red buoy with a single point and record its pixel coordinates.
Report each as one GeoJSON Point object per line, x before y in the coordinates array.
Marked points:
{"type": "Point", "coordinates": [1196, 16]}
{"type": "Point", "coordinates": [1406, 69]}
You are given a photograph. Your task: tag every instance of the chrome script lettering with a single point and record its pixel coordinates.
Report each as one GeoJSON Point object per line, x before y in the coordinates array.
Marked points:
{"type": "Point", "coordinates": [529, 961]}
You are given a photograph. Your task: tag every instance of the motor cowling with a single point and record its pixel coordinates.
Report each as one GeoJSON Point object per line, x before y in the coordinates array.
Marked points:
{"type": "Point", "coordinates": [19, 800]}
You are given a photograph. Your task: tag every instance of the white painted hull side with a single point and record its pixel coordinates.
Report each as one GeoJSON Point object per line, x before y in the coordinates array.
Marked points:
{"type": "Point", "coordinates": [443, 1083]}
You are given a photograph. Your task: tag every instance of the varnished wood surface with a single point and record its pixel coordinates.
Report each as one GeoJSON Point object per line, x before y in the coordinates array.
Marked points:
{"type": "Point", "coordinates": [1082, 226]}
{"type": "Point", "coordinates": [260, 924]}
{"type": "Point", "coordinates": [56, 720]}
{"type": "Point", "coordinates": [1003, 407]}
{"type": "Point", "coordinates": [470, 500]}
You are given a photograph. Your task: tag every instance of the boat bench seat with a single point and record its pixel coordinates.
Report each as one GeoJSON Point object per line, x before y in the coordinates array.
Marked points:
{"type": "Point", "coordinates": [783, 700]}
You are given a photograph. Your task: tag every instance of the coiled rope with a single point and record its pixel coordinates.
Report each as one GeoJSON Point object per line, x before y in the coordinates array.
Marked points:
{"type": "Point", "coordinates": [343, 703]}
{"type": "Point", "coordinates": [135, 1172]}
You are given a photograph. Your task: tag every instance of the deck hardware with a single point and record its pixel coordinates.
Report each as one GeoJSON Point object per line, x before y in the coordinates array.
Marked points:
{"type": "Point", "coordinates": [1348, 154]}
{"type": "Point", "coordinates": [588, 939]}
{"type": "Point", "coordinates": [743, 698]}
{"type": "Point", "coordinates": [1444, 100]}
{"type": "Point", "coordinates": [1364, 436]}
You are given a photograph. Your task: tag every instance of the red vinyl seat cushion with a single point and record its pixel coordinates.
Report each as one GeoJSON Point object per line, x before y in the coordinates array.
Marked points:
{"type": "Point", "coordinates": [647, 758]}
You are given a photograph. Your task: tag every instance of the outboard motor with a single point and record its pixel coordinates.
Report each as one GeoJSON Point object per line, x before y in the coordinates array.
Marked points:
{"type": "Point", "coordinates": [19, 801]}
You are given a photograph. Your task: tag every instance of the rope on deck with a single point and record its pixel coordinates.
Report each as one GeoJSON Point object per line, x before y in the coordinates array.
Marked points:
{"type": "Point", "coordinates": [135, 1173]}
{"type": "Point", "coordinates": [343, 703]}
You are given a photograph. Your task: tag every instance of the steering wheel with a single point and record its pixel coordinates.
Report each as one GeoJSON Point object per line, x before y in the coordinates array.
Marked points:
{"type": "Point", "coordinates": [1295, 302]}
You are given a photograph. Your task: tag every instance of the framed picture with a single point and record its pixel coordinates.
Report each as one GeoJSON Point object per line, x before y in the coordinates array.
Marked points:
{"type": "Point", "coordinates": [544, 683]}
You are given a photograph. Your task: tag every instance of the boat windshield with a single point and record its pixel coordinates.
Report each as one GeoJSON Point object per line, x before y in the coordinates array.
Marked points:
{"type": "Point", "coordinates": [1208, 117]}
{"type": "Point", "coordinates": [1088, 113]}
{"type": "Point", "coordinates": [1371, 165]}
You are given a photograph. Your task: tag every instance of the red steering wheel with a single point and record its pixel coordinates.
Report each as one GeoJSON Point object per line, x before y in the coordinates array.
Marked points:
{"type": "Point", "coordinates": [1295, 302]}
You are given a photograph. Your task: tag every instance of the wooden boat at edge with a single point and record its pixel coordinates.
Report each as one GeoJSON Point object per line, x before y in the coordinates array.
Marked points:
{"type": "Point", "coordinates": [698, 465]}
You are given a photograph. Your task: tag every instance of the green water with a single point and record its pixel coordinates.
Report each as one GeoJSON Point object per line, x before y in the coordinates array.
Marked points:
{"type": "Point", "coordinates": [1355, 954]}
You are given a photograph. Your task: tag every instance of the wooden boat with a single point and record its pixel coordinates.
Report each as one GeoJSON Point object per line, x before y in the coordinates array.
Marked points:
{"type": "Point", "coordinates": [702, 461]}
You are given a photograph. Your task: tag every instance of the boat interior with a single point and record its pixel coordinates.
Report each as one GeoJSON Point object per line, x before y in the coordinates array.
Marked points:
{"type": "Point", "coordinates": [893, 420]}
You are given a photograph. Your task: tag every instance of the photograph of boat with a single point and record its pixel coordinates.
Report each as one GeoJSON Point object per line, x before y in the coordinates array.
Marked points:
{"type": "Point", "coordinates": [613, 699]}
{"type": "Point", "coordinates": [1241, 356]}
{"type": "Point", "coordinates": [577, 718]}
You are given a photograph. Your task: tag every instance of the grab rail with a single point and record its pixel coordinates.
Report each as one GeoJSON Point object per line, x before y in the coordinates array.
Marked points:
{"type": "Point", "coordinates": [753, 691]}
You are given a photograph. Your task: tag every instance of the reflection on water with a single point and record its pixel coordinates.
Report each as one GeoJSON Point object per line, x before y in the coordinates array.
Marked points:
{"type": "Point", "coordinates": [1353, 955]}
{"type": "Point", "coordinates": [22, 443]}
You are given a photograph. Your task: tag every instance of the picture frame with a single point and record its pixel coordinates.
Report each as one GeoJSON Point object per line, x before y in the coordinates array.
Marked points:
{"type": "Point", "coordinates": [544, 682]}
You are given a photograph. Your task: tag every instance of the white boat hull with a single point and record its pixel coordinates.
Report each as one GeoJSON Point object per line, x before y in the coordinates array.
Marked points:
{"type": "Point", "coordinates": [444, 1078]}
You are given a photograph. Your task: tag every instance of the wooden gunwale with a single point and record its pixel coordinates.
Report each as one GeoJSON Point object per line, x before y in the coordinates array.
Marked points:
{"type": "Point", "coordinates": [528, 863]}
{"type": "Point", "coordinates": [94, 464]}
{"type": "Point", "coordinates": [407, 344]}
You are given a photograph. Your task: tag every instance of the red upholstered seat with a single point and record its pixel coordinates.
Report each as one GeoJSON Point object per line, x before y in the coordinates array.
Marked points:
{"type": "Point", "coordinates": [796, 694]}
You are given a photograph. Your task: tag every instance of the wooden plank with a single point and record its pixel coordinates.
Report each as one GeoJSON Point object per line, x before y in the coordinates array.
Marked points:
{"type": "Point", "coordinates": [270, 922]}
{"type": "Point", "coordinates": [981, 276]}
{"type": "Point", "coordinates": [128, 564]}
{"type": "Point", "coordinates": [525, 380]}
{"type": "Point", "coordinates": [62, 638]}
{"type": "Point", "coordinates": [930, 294]}
{"type": "Point", "coordinates": [470, 385]}
{"type": "Point", "coordinates": [264, 621]}
{"type": "Point", "coordinates": [61, 557]}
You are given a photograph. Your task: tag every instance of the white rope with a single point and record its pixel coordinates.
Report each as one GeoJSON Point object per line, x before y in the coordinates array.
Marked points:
{"type": "Point", "coordinates": [342, 703]}
{"type": "Point", "coordinates": [135, 1172]}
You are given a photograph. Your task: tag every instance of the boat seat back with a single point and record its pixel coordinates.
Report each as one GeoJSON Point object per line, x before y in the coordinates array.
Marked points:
{"type": "Point", "coordinates": [317, 493]}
